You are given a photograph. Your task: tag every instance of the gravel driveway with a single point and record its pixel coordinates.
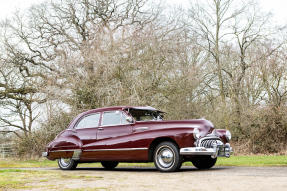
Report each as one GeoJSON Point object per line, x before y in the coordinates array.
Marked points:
{"type": "Point", "coordinates": [189, 178]}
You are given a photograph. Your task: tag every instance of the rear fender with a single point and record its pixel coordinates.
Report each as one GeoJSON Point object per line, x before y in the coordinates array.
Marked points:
{"type": "Point", "coordinates": [64, 145]}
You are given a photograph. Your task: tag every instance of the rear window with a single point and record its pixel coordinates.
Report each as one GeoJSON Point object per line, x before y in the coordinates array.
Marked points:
{"type": "Point", "coordinates": [89, 121]}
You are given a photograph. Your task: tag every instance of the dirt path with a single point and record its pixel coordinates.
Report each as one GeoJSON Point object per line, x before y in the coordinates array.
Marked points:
{"type": "Point", "coordinates": [131, 179]}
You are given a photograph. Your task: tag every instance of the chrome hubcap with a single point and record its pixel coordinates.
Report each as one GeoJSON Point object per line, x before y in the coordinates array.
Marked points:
{"type": "Point", "coordinates": [65, 162]}
{"type": "Point", "coordinates": [165, 157]}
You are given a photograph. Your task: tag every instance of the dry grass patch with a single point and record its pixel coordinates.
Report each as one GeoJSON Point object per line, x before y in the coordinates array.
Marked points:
{"type": "Point", "coordinates": [11, 179]}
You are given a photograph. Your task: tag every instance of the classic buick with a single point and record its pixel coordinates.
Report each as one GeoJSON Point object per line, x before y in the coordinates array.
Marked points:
{"type": "Point", "coordinates": [138, 134]}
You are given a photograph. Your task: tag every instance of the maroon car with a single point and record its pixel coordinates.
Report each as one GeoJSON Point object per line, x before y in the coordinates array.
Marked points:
{"type": "Point", "coordinates": [138, 134]}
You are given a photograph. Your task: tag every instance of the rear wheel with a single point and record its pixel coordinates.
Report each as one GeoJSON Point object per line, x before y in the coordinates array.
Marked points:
{"type": "Point", "coordinates": [166, 157]}
{"type": "Point", "coordinates": [67, 163]}
{"type": "Point", "coordinates": [203, 162]}
{"type": "Point", "coordinates": [109, 164]}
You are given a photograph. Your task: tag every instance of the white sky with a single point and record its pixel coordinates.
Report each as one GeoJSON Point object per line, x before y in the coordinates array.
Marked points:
{"type": "Point", "coordinates": [277, 7]}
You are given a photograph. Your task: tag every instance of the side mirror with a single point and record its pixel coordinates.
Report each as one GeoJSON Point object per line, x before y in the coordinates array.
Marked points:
{"type": "Point", "coordinates": [129, 119]}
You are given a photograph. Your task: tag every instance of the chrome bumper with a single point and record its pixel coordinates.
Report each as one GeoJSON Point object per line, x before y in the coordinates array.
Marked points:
{"type": "Point", "coordinates": [44, 154]}
{"type": "Point", "coordinates": [218, 150]}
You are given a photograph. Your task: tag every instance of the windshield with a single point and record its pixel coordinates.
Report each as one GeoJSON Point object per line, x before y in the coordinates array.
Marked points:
{"type": "Point", "coordinates": [146, 115]}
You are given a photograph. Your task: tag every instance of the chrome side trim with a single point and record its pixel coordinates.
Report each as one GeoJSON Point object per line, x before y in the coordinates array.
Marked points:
{"type": "Point", "coordinates": [122, 149]}
{"type": "Point", "coordinates": [68, 150]}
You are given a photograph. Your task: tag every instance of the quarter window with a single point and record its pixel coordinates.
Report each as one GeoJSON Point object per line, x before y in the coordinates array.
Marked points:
{"type": "Point", "coordinates": [89, 121]}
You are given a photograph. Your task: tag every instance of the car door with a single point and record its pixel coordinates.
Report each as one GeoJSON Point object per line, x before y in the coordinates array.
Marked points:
{"type": "Point", "coordinates": [86, 128]}
{"type": "Point", "coordinates": [113, 126]}
{"type": "Point", "coordinates": [114, 140]}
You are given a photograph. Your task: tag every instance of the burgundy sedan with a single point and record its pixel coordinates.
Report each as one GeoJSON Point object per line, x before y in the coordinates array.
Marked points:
{"type": "Point", "coordinates": [138, 134]}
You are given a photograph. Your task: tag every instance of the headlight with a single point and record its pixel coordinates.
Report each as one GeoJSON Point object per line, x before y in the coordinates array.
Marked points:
{"type": "Point", "coordinates": [228, 135]}
{"type": "Point", "coordinates": [196, 133]}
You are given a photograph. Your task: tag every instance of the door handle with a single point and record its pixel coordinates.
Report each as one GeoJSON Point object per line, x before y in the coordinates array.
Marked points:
{"type": "Point", "coordinates": [100, 128]}
{"type": "Point", "coordinates": [141, 129]}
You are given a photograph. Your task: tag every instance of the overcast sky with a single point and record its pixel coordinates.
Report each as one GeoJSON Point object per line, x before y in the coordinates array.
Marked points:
{"type": "Point", "coordinates": [277, 7]}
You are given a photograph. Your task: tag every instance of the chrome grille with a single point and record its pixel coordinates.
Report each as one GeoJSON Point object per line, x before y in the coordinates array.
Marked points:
{"type": "Point", "coordinates": [208, 143]}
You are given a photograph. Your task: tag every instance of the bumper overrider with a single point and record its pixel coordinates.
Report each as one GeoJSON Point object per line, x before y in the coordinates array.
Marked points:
{"type": "Point", "coordinates": [44, 154]}
{"type": "Point", "coordinates": [216, 149]}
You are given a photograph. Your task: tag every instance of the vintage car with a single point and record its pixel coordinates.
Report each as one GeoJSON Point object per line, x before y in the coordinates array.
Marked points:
{"type": "Point", "coordinates": [138, 134]}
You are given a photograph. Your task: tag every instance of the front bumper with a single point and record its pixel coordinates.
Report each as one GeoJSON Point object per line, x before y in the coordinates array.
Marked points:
{"type": "Point", "coordinates": [217, 150]}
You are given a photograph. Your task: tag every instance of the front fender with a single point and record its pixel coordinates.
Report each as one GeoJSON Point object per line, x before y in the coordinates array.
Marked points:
{"type": "Point", "coordinates": [222, 134]}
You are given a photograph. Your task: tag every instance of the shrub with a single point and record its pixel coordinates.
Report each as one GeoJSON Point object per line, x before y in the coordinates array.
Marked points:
{"type": "Point", "coordinates": [35, 143]}
{"type": "Point", "coordinates": [264, 130]}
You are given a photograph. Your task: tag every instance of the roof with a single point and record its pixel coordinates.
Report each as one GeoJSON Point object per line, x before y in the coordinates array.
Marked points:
{"type": "Point", "coordinates": [142, 108]}
{"type": "Point", "coordinates": [123, 108]}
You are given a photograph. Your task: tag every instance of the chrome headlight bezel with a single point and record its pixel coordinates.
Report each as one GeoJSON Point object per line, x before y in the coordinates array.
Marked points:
{"type": "Point", "coordinates": [228, 135]}
{"type": "Point", "coordinates": [196, 133]}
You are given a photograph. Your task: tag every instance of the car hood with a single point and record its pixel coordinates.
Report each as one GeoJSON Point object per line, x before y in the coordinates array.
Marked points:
{"type": "Point", "coordinates": [202, 124]}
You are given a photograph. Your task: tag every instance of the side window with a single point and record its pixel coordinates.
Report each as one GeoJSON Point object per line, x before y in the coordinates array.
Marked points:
{"type": "Point", "coordinates": [114, 118]}
{"type": "Point", "coordinates": [89, 121]}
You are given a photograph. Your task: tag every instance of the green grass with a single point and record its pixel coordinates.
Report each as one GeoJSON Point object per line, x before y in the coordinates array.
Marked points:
{"type": "Point", "coordinates": [13, 179]}
{"type": "Point", "coordinates": [249, 160]}
{"type": "Point", "coordinates": [13, 163]}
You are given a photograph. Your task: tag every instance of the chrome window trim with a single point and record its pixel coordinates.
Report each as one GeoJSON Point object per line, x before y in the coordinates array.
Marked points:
{"type": "Point", "coordinates": [113, 125]}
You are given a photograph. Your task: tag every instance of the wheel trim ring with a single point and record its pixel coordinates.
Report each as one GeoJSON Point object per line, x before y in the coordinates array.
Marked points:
{"type": "Point", "coordinates": [65, 162]}
{"type": "Point", "coordinates": [166, 147]}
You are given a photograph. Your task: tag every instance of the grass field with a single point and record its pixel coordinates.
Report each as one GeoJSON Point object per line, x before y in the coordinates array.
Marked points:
{"type": "Point", "coordinates": [252, 160]}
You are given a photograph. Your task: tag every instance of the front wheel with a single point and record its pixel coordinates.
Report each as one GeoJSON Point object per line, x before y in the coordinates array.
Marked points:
{"type": "Point", "coordinates": [166, 157]}
{"type": "Point", "coordinates": [109, 165]}
{"type": "Point", "coordinates": [203, 162]}
{"type": "Point", "coordinates": [67, 164]}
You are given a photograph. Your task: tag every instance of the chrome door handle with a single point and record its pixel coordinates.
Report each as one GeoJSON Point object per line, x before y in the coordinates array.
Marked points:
{"type": "Point", "coordinates": [141, 128]}
{"type": "Point", "coordinates": [100, 128]}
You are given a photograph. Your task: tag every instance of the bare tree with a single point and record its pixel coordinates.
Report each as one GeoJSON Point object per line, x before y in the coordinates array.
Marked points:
{"type": "Point", "coordinates": [18, 100]}
{"type": "Point", "coordinates": [211, 22]}
{"type": "Point", "coordinates": [249, 30]}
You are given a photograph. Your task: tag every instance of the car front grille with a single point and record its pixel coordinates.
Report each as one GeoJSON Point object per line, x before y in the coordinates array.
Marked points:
{"type": "Point", "coordinates": [208, 143]}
